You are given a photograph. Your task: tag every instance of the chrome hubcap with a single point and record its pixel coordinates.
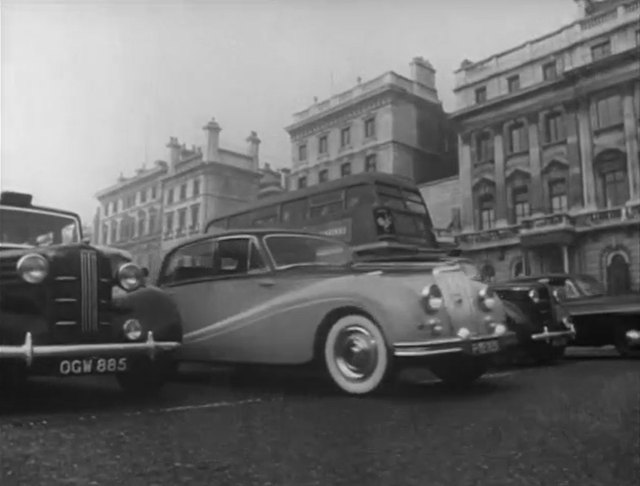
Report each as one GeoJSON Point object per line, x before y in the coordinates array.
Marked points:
{"type": "Point", "coordinates": [356, 353]}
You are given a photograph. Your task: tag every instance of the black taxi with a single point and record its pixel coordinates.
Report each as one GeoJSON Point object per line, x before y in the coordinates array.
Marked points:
{"type": "Point", "coordinates": [69, 308]}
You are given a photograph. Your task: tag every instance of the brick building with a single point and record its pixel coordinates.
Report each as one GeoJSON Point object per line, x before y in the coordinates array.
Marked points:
{"type": "Point", "coordinates": [548, 151]}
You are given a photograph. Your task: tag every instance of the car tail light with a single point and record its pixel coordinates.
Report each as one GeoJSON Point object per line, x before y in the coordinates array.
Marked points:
{"type": "Point", "coordinates": [486, 299]}
{"type": "Point", "coordinates": [432, 298]}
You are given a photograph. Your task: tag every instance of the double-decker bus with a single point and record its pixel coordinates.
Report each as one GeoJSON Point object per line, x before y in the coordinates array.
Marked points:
{"type": "Point", "coordinates": [369, 211]}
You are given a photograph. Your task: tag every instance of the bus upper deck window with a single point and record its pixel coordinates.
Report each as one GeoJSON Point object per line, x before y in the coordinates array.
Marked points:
{"type": "Point", "coordinates": [360, 195]}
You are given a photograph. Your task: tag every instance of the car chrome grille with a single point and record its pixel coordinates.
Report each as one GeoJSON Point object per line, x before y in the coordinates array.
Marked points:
{"type": "Point", "coordinates": [459, 297]}
{"type": "Point", "coordinates": [89, 290]}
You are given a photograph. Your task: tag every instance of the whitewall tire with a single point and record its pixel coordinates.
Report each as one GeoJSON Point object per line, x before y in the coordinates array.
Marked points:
{"type": "Point", "coordinates": [356, 355]}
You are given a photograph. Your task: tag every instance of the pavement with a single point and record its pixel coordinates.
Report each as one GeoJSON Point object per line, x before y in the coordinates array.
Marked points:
{"type": "Point", "coordinates": [573, 423]}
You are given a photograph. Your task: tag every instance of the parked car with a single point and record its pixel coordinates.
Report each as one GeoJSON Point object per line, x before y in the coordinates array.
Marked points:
{"type": "Point", "coordinates": [599, 319]}
{"type": "Point", "coordinates": [281, 297]}
{"type": "Point", "coordinates": [69, 308]}
{"type": "Point", "coordinates": [536, 313]}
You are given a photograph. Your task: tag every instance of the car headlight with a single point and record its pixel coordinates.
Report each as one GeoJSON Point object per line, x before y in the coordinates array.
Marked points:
{"type": "Point", "coordinates": [559, 295]}
{"type": "Point", "coordinates": [130, 277]}
{"type": "Point", "coordinates": [33, 268]}
{"type": "Point", "coordinates": [534, 296]}
{"type": "Point", "coordinates": [132, 329]}
{"type": "Point", "coordinates": [432, 298]}
{"type": "Point", "coordinates": [487, 299]}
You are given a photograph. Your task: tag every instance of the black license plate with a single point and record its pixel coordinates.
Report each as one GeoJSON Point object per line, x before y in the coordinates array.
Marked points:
{"type": "Point", "coordinates": [485, 347]}
{"type": "Point", "coordinates": [91, 366]}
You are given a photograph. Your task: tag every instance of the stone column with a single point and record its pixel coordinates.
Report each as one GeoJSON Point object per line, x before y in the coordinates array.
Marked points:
{"type": "Point", "coordinates": [501, 196]}
{"type": "Point", "coordinates": [574, 185]}
{"type": "Point", "coordinates": [565, 258]}
{"type": "Point", "coordinates": [535, 164]}
{"type": "Point", "coordinates": [465, 178]}
{"type": "Point", "coordinates": [586, 154]}
{"type": "Point", "coordinates": [631, 143]}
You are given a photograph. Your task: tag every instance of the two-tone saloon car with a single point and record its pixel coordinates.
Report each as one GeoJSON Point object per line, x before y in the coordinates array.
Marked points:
{"type": "Point", "coordinates": [599, 319]}
{"type": "Point", "coordinates": [68, 308]}
{"type": "Point", "coordinates": [283, 297]}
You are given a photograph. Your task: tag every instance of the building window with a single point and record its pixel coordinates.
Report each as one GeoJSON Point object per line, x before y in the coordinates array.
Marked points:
{"type": "Point", "coordinates": [105, 234]}
{"type": "Point", "coordinates": [345, 137]}
{"type": "Point", "coordinates": [370, 127]}
{"type": "Point", "coordinates": [152, 221]}
{"type": "Point", "coordinates": [601, 50]}
{"type": "Point", "coordinates": [143, 196]}
{"type": "Point", "coordinates": [513, 83]}
{"type": "Point", "coordinates": [105, 209]}
{"type": "Point", "coordinates": [154, 192]}
{"type": "Point", "coordinates": [114, 233]}
{"type": "Point", "coordinates": [481, 94]}
{"type": "Point", "coordinates": [302, 152]}
{"type": "Point", "coordinates": [183, 192]}
{"type": "Point", "coordinates": [302, 182]}
{"type": "Point", "coordinates": [517, 138]}
{"type": "Point", "coordinates": [370, 163]}
{"type": "Point", "coordinates": [615, 188]}
{"type": "Point", "coordinates": [521, 207]}
{"type": "Point", "coordinates": [609, 111]}
{"type": "Point", "coordinates": [323, 144]}
{"type": "Point", "coordinates": [196, 187]}
{"type": "Point", "coordinates": [323, 175]}
{"type": "Point", "coordinates": [195, 216]}
{"type": "Point", "coordinates": [170, 196]}
{"type": "Point", "coordinates": [182, 220]}
{"type": "Point", "coordinates": [345, 169]}
{"type": "Point", "coordinates": [487, 212]}
{"type": "Point", "coordinates": [638, 37]}
{"type": "Point", "coordinates": [484, 147]}
{"type": "Point", "coordinates": [558, 195]}
{"type": "Point", "coordinates": [141, 222]}
{"type": "Point", "coordinates": [553, 127]}
{"type": "Point", "coordinates": [549, 71]}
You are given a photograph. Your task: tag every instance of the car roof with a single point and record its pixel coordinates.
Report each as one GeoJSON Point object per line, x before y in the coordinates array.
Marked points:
{"type": "Point", "coordinates": [252, 232]}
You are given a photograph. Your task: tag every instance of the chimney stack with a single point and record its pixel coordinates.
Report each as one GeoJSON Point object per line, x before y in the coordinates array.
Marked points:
{"type": "Point", "coordinates": [174, 150]}
{"type": "Point", "coordinates": [213, 141]}
{"type": "Point", "coordinates": [253, 149]}
{"type": "Point", "coordinates": [422, 72]}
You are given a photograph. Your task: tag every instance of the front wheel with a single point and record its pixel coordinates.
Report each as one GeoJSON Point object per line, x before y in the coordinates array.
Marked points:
{"type": "Point", "coordinates": [356, 355]}
{"type": "Point", "coordinates": [627, 341]}
{"type": "Point", "coordinates": [462, 370]}
{"type": "Point", "coordinates": [144, 377]}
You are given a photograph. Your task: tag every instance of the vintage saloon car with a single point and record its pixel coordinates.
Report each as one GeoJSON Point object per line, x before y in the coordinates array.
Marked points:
{"type": "Point", "coordinates": [284, 297]}
{"type": "Point", "coordinates": [536, 313]}
{"type": "Point", "coordinates": [68, 308]}
{"type": "Point", "coordinates": [599, 319]}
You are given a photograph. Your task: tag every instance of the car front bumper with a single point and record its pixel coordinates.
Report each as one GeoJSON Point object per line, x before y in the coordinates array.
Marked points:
{"type": "Point", "coordinates": [473, 346]}
{"type": "Point", "coordinates": [28, 351]}
{"type": "Point", "coordinates": [549, 336]}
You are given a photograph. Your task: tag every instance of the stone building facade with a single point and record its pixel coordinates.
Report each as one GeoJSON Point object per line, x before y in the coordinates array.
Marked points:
{"type": "Point", "coordinates": [157, 208]}
{"type": "Point", "coordinates": [548, 151]}
{"type": "Point", "coordinates": [389, 124]}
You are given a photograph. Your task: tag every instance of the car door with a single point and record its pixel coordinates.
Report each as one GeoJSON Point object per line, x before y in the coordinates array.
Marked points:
{"type": "Point", "coordinates": [216, 284]}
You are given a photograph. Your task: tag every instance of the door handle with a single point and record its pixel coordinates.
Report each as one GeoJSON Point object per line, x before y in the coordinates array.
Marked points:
{"type": "Point", "coordinates": [267, 282]}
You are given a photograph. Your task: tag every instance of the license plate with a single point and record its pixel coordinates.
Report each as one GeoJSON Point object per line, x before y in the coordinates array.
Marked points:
{"type": "Point", "coordinates": [558, 342]}
{"type": "Point", "coordinates": [91, 366]}
{"type": "Point", "coordinates": [485, 347]}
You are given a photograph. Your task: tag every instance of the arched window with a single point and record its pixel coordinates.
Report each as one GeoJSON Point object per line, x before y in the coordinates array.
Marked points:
{"type": "Point", "coordinates": [618, 273]}
{"type": "Point", "coordinates": [486, 213]}
{"type": "Point", "coordinates": [487, 272]}
{"type": "Point", "coordinates": [517, 268]}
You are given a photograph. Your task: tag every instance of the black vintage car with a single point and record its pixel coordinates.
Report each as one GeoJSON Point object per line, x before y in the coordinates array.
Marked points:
{"type": "Point", "coordinates": [68, 308]}
{"type": "Point", "coordinates": [536, 313]}
{"type": "Point", "coordinates": [599, 319]}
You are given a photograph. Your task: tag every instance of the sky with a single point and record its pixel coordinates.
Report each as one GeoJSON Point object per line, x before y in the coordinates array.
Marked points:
{"type": "Point", "coordinates": [94, 88]}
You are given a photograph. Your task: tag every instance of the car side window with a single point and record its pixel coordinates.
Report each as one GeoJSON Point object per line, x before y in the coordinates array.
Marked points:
{"type": "Point", "coordinates": [191, 262]}
{"type": "Point", "coordinates": [237, 256]}
{"type": "Point", "coordinates": [570, 290]}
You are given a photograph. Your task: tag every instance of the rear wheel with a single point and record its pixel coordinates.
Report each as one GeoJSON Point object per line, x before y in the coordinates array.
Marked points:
{"type": "Point", "coordinates": [144, 377]}
{"type": "Point", "coordinates": [356, 355]}
{"type": "Point", "coordinates": [461, 370]}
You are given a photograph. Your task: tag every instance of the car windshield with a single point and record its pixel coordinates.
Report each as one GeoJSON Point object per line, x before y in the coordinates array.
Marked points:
{"type": "Point", "coordinates": [589, 286]}
{"type": "Point", "coordinates": [28, 228]}
{"type": "Point", "coordinates": [301, 250]}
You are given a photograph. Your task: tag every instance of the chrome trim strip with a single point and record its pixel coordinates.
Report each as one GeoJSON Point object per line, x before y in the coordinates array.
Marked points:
{"type": "Point", "coordinates": [104, 323]}
{"type": "Point", "coordinates": [547, 335]}
{"type": "Point", "coordinates": [408, 353]}
{"type": "Point", "coordinates": [28, 352]}
{"type": "Point", "coordinates": [66, 278]}
{"type": "Point", "coordinates": [105, 280]}
{"type": "Point", "coordinates": [65, 299]}
{"type": "Point", "coordinates": [453, 341]}
{"type": "Point", "coordinates": [89, 290]}
{"type": "Point", "coordinates": [66, 323]}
